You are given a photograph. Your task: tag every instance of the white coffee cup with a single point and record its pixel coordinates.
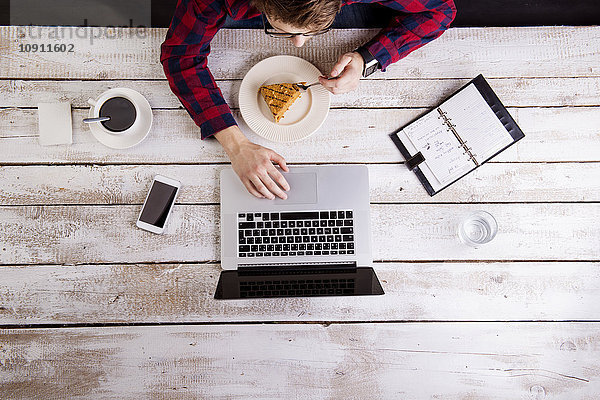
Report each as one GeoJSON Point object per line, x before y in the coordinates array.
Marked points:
{"type": "Point", "coordinates": [129, 136]}
{"type": "Point", "coordinates": [114, 93]}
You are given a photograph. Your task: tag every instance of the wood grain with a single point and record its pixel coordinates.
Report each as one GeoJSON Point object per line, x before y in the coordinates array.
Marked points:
{"type": "Point", "coordinates": [371, 93]}
{"type": "Point", "coordinates": [183, 293]}
{"type": "Point", "coordinates": [389, 183]}
{"type": "Point", "coordinates": [350, 361]}
{"type": "Point", "coordinates": [459, 53]}
{"type": "Point", "coordinates": [70, 252]}
{"type": "Point", "coordinates": [106, 234]}
{"type": "Point", "coordinates": [356, 135]}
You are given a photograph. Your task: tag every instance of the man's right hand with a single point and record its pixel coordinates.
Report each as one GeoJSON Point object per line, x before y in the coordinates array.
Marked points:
{"type": "Point", "coordinates": [254, 164]}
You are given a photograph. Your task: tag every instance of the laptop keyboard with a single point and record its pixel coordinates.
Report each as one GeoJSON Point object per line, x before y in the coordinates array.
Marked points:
{"type": "Point", "coordinates": [297, 233]}
{"type": "Point", "coordinates": [297, 287]}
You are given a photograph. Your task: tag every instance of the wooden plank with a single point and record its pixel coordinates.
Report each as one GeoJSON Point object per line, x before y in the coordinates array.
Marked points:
{"type": "Point", "coordinates": [389, 183]}
{"type": "Point", "coordinates": [124, 53]}
{"type": "Point", "coordinates": [105, 234]}
{"type": "Point", "coordinates": [552, 134]}
{"type": "Point", "coordinates": [356, 361]}
{"type": "Point", "coordinates": [177, 293]}
{"type": "Point", "coordinates": [372, 93]}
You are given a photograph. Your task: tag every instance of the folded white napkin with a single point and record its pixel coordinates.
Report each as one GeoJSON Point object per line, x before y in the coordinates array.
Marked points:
{"type": "Point", "coordinates": [55, 123]}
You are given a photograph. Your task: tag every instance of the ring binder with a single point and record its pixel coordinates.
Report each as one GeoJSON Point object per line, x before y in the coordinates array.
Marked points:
{"type": "Point", "coordinates": [445, 164]}
{"type": "Point", "coordinates": [451, 127]}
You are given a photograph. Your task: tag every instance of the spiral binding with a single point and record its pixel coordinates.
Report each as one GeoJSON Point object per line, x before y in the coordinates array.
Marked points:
{"type": "Point", "coordinates": [463, 143]}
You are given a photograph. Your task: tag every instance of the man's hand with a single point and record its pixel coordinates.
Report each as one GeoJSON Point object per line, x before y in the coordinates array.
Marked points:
{"type": "Point", "coordinates": [347, 71]}
{"type": "Point", "coordinates": [254, 164]}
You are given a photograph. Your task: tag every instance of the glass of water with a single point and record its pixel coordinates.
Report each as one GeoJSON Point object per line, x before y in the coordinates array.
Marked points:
{"type": "Point", "coordinates": [477, 229]}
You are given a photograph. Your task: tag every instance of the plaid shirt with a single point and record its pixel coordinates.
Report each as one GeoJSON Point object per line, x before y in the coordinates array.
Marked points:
{"type": "Point", "coordinates": [195, 22]}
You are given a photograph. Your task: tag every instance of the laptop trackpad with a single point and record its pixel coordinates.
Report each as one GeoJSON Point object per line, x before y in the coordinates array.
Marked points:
{"type": "Point", "coordinates": [303, 189]}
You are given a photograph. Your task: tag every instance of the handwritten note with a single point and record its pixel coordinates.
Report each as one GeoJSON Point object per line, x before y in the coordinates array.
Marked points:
{"type": "Point", "coordinates": [474, 123]}
{"type": "Point", "coordinates": [443, 153]}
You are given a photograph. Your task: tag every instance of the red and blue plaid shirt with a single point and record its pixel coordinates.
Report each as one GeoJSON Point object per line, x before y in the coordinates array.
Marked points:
{"type": "Point", "coordinates": [195, 22]}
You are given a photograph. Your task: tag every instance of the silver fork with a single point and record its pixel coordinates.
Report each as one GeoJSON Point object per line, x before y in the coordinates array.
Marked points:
{"type": "Point", "coordinates": [305, 87]}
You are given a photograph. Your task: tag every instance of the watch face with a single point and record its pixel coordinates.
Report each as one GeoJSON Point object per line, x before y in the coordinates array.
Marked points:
{"type": "Point", "coordinates": [371, 62]}
{"type": "Point", "coordinates": [370, 69]}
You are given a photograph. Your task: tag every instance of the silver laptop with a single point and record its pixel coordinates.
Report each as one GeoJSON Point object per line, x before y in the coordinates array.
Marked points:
{"type": "Point", "coordinates": [317, 242]}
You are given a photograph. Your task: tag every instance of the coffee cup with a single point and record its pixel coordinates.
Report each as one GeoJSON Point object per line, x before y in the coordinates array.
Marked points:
{"type": "Point", "coordinates": [115, 111]}
{"type": "Point", "coordinates": [119, 118]}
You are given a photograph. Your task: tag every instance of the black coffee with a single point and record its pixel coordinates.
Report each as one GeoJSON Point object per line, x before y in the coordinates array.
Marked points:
{"type": "Point", "coordinates": [121, 112]}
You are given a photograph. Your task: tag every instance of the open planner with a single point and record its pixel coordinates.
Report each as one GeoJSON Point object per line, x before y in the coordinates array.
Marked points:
{"type": "Point", "coordinates": [459, 135]}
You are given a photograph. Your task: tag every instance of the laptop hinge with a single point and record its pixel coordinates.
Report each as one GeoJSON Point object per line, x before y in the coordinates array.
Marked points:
{"type": "Point", "coordinates": [299, 268]}
{"type": "Point", "coordinates": [326, 264]}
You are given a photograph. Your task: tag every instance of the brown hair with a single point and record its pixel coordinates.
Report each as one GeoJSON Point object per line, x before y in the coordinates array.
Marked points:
{"type": "Point", "coordinates": [312, 14]}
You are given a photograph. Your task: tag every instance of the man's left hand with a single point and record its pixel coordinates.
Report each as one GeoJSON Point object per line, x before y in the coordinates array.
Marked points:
{"type": "Point", "coordinates": [347, 73]}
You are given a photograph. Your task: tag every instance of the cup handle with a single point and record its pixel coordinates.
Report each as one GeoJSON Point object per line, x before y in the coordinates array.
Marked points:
{"type": "Point", "coordinates": [92, 102]}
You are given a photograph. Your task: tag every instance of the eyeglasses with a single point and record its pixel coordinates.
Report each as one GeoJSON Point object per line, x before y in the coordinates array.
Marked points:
{"type": "Point", "coordinates": [269, 30]}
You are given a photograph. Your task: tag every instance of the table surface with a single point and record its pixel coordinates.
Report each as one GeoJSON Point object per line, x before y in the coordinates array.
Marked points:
{"type": "Point", "coordinates": [92, 307]}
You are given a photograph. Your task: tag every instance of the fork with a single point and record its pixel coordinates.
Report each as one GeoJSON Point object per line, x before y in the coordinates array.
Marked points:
{"type": "Point", "coordinates": [305, 87]}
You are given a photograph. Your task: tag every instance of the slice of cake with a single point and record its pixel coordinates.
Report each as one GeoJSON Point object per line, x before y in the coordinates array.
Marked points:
{"type": "Point", "coordinates": [279, 97]}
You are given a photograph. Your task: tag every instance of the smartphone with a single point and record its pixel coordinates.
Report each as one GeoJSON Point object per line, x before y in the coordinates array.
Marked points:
{"type": "Point", "coordinates": [158, 204]}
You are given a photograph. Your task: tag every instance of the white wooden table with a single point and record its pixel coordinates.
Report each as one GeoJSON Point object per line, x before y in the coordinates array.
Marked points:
{"type": "Point", "coordinates": [91, 307]}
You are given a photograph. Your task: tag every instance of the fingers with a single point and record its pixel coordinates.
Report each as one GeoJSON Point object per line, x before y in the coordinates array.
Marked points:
{"type": "Point", "coordinates": [344, 60]}
{"type": "Point", "coordinates": [280, 161]}
{"type": "Point", "coordinates": [347, 78]}
{"type": "Point", "coordinates": [273, 188]}
{"type": "Point", "coordinates": [251, 189]}
{"type": "Point", "coordinates": [262, 189]}
{"type": "Point", "coordinates": [255, 168]}
{"type": "Point", "coordinates": [345, 83]}
{"type": "Point", "coordinates": [330, 84]}
{"type": "Point", "coordinates": [278, 177]}
{"type": "Point", "coordinates": [265, 186]}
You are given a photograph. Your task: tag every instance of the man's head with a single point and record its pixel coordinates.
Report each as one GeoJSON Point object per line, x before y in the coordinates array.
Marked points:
{"type": "Point", "coordinates": [299, 16]}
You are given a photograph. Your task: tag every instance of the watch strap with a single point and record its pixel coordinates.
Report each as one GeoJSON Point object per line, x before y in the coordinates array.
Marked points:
{"type": "Point", "coordinates": [371, 63]}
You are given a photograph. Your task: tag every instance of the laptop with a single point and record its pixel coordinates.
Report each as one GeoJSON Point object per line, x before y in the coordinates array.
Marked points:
{"type": "Point", "coordinates": [317, 242]}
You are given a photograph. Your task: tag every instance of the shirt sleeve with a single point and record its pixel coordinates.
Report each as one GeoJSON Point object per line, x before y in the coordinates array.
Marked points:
{"type": "Point", "coordinates": [419, 22]}
{"type": "Point", "coordinates": [184, 59]}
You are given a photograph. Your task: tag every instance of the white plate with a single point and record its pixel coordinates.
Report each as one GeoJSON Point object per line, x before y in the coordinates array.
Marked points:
{"type": "Point", "coordinates": [133, 135]}
{"type": "Point", "coordinates": [303, 118]}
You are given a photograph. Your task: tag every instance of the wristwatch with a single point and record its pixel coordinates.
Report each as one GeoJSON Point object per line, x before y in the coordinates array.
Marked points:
{"type": "Point", "coordinates": [371, 63]}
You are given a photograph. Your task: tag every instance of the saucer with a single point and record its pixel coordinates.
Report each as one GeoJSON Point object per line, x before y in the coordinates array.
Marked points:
{"type": "Point", "coordinates": [303, 118]}
{"type": "Point", "coordinates": [130, 137]}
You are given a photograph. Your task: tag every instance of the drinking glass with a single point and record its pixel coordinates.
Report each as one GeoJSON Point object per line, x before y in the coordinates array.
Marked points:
{"type": "Point", "coordinates": [477, 229]}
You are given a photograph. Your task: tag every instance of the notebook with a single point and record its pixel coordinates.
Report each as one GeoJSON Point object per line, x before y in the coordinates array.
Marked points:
{"type": "Point", "coordinates": [458, 136]}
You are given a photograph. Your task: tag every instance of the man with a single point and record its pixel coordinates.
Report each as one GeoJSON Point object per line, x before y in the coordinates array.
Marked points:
{"type": "Point", "coordinates": [195, 22]}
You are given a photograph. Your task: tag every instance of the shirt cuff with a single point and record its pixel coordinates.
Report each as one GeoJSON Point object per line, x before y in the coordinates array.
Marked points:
{"type": "Point", "coordinates": [214, 119]}
{"type": "Point", "coordinates": [381, 54]}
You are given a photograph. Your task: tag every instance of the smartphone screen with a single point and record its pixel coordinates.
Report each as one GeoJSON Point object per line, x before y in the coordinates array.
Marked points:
{"type": "Point", "coordinates": [158, 204]}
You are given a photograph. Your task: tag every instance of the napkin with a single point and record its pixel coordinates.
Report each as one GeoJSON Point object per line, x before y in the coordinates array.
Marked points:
{"type": "Point", "coordinates": [55, 123]}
